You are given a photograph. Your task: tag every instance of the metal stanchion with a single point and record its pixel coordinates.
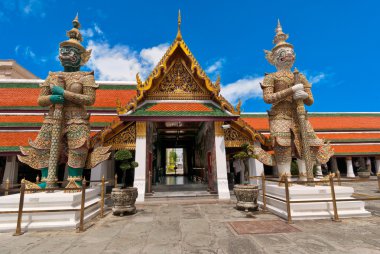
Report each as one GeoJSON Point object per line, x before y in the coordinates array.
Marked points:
{"type": "Point", "coordinates": [81, 222]}
{"type": "Point", "coordinates": [263, 190]}
{"type": "Point", "coordinates": [7, 183]}
{"type": "Point", "coordinates": [115, 181]}
{"type": "Point", "coordinates": [336, 216]}
{"type": "Point", "coordinates": [288, 200]}
{"type": "Point", "coordinates": [20, 208]}
{"type": "Point", "coordinates": [102, 198]}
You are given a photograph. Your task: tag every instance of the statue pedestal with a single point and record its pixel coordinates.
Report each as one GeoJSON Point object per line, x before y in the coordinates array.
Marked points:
{"type": "Point", "coordinates": [320, 210]}
{"type": "Point", "coordinates": [65, 202]}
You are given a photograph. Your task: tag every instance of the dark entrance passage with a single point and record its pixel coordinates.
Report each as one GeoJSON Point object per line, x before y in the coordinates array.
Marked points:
{"type": "Point", "coordinates": [175, 148]}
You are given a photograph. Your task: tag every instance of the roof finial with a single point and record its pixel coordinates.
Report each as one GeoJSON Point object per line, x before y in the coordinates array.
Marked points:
{"type": "Point", "coordinates": [76, 23]}
{"type": "Point", "coordinates": [278, 28]}
{"type": "Point", "coordinates": [179, 35]}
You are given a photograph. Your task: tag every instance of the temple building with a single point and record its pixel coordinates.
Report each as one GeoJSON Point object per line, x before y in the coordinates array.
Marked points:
{"type": "Point", "coordinates": [181, 130]}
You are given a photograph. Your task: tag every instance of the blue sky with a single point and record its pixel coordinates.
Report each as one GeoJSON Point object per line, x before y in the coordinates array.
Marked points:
{"type": "Point", "coordinates": [336, 42]}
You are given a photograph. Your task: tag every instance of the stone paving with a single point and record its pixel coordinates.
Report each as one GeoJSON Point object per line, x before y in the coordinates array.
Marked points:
{"type": "Point", "coordinates": [185, 227]}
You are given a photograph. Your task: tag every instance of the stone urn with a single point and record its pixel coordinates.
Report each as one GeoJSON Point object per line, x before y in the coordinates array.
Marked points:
{"type": "Point", "coordinates": [364, 174]}
{"type": "Point", "coordinates": [246, 195]}
{"type": "Point", "coordinates": [124, 200]}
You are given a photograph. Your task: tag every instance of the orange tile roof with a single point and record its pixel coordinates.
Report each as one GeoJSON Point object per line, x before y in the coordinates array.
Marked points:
{"type": "Point", "coordinates": [345, 122]}
{"type": "Point", "coordinates": [350, 136]}
{"type": "Point", "coordinates": [40, 118]}
{"type": "Point", "coordinates": [257, 123]}
{"type": "Point", "coordinates": [16, 138]}
{"type": "Point", "coordinates": [11, 97]}
{"type": "Point", "coordinates": [18, 97]}
{"type": "Point", "coordinates": [356, 149]}
{"type": "Point", "coordinates": [107, 98]}
{"type": "Point", "coordinates": [21, 119]}
{"type": "Point", "coordinates": [320, 123]}
{"type": "Point", "coordinates": [192, 107]}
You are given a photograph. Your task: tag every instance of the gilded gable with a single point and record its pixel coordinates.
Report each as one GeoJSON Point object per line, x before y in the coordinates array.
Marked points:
{"type": "Point", "coordinates": [178, 83]}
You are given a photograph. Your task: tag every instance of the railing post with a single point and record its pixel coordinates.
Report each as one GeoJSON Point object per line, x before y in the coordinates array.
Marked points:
{"type": "Point", "coordinates": [115, 181]}
{"type": "Point", "coordinates": [336, 216]}
{"type": "Point", "coordinates": [81, 222]}
{"type": "Point", "coordinates": [338, 175]}
{"type": "Point", "coordinates": [378, 181]}
{"type": "Point", "coordinates": [264, 191]}
{"type": "Point", "coordinates": [7, 183]}
{"type": "Point", "coordinates": [102, 198]}
{"type": "Point", "coordinates": [288, 200]}
{"type": "Point", "coordinates": [20, 208]}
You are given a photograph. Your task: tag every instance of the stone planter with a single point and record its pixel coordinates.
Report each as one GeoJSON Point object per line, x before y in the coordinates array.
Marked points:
{"type": "Point", "coordinates": [364, 174]}
{"type": "Point", "coordinates": [124, 201]}
{"type": "Point", "coordinates": [246, 195]}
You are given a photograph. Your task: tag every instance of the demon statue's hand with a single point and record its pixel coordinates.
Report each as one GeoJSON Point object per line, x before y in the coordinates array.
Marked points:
{"type": "Point", "coordinates": [297, 87]}
{"type": "Point", "coordinates": [56, 99]}
{"type": "Point", "coordinates": [57, 90]}
{"type": "Point", "coordinates": [300, 95]}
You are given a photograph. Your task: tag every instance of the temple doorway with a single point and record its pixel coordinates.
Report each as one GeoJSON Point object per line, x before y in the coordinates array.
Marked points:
{"type": "Point", "coordinates": [180, 156]}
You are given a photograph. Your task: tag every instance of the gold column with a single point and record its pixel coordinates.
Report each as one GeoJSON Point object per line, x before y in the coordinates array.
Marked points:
{"type": "Point", "coordinates": [218, 129]}
{"type": "Point", "coordinates": [140, 129]}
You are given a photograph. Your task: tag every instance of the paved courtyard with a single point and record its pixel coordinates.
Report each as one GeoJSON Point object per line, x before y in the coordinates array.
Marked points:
{"type": "Point", "coordinates": [184, 227]}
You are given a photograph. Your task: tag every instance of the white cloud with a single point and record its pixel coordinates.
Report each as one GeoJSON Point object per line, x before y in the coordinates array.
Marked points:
{"type": "Point", "coordinates": [215, 67]}
{"type": "Point", "coordinates": [87, 32]}
{"type": "Point", "coordinates": [97, 29]}
{"type": "Point", "coordinates": [120, 62]}
{"type": "Point", "coordinates": [243, 89]}
{"type": "Point", "coordinates": [25, 52]}
{"type": "Point", "coordinates": [153, 55]}
{"type": "Point", "coordinates": [23, 7]}
{"type": "Point", "coordinates": [317, 78]}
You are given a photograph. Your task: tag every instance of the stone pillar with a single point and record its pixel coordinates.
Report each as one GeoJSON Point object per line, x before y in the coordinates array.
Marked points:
{"type": "Point", "coordinates": [319, 173]}
{"type": "Point", "coordinates": [275, 170]}
{"type": "Point", "coordinates": [256, 168]}
{"type": "Point", "coordinates": [377, 165]}
{"type": "Point", "coordinates": [102, 169]}
{"type": "Point", "coordinates": [368, 164]}
{"type": "Point", "coordinates": [140, 171]}
{"type": "Point", "coordinates": [350, 168]}
{"type": "Point", "coordinates": [11, 170]}
{"type": "Point", "coordinates": [221, 165]}
{"type": "Point", "coordinates": [334, 165]}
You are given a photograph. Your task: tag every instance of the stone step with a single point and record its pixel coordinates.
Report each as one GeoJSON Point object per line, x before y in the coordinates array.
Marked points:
{"type": "Point", "coordinates": [181, 197]}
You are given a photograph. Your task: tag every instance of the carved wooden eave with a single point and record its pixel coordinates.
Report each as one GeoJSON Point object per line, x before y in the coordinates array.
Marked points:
{"type": "Point", "coordinates": [178, 57]}
{"type": "Point", "coordinates": [119, 135]}
{"type": "Point", "coordinates": [241, 133]}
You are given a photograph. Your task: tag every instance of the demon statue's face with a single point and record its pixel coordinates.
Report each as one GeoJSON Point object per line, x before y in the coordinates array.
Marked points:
{"type": "Point", "coordinates": [284, 58]}
{"type": "Point", "coordinates": [70, 57]}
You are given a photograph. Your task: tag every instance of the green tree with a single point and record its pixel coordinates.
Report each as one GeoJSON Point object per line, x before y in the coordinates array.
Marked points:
{"type": "Point", "coordinates": [244, 154]}
{"type": "Point", "coordinates": [127, 162]}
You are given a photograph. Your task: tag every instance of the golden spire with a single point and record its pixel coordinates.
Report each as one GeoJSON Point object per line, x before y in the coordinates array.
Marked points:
{"type": "Point", "coordinates": [75, 37]}
{"type": "Point", "coordinates": [280, 37]}
{"type": "Point", "coordinates": [179, 35]}
{"type": "Point", "coordinates": [76, 23]}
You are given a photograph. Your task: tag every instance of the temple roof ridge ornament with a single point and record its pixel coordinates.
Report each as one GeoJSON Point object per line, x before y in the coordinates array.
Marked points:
{"type": "Point", "coordinates": [194, 68]}
{"type": "Point", "coordinates": [179, 35]}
